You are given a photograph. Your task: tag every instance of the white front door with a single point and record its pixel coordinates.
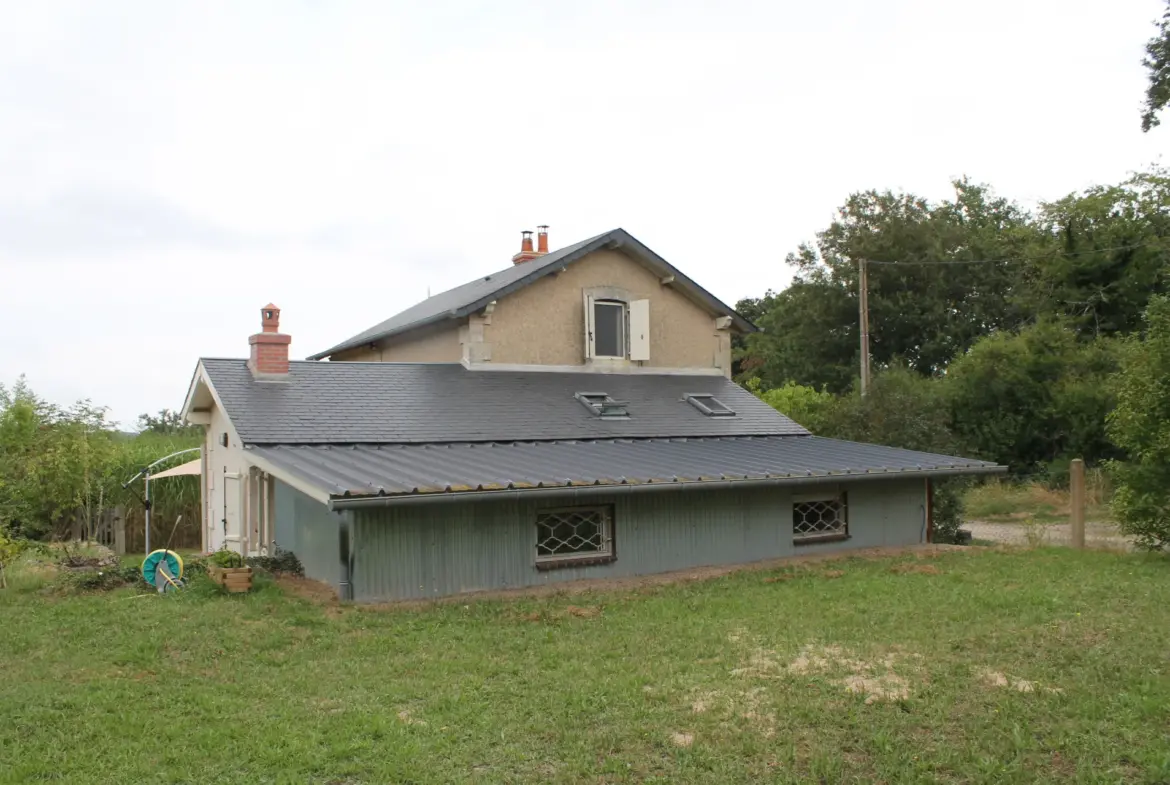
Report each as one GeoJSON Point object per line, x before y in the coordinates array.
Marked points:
{"type": "Point", "coordinates": [230, 515]}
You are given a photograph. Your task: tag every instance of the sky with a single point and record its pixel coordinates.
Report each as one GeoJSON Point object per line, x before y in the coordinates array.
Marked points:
{"type": "Point", "coordinates": [167, 168]}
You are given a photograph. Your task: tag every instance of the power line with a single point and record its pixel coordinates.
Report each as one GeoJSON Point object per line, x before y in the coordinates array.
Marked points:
{"type": "Point", "coordinates": [1013, 258]}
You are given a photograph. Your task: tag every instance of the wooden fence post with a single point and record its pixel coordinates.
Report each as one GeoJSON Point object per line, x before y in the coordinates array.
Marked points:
{"type": "Point", "coordinates": [119, 531]}
{"type": "Point", "coordinates": [1076, 487]}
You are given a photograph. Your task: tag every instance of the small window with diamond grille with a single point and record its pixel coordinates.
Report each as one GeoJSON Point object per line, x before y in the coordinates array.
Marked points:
{"type": "Point", "coordinates": [572, 535]}
{"type": "Point", "coordinates": [819, 519]}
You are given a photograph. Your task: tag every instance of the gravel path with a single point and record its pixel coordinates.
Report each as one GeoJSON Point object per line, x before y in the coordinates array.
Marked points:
{"type": "Point", "coordinates": [1097, 534]}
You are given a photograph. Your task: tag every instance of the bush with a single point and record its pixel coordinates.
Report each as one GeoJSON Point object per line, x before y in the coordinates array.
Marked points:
{"type": "Point", "coordinates": [1033, 399]}
{"type": "Point", "coordinates": [806, 405]}
{"type": "Point", "coordinates": [196, 565]}
{"type": "Point", "coordinates": [948, 509]}
{"type": "Point", "coordinates": [11, 549]}
{"type": "Point", "coordinates": [285, 562]}
{"type": "Point", "coordinates": [103, 580]}
{"type": "Point", "coordinates": [1140, 425]}
{"type": "Point", "coordinates": [226, 559]}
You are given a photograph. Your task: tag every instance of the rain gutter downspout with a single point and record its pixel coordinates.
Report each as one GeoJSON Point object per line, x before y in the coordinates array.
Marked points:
{"type": "Point", "coordinates": [345, 555]}
{"type": "Point", "coordinates": [338, 504]}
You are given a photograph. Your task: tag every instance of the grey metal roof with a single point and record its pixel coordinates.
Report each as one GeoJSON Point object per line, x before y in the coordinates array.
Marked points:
{"type": "Point", "coordinates": [385, 403]}
{"type": "Point", "coordinates": [371, 470]}
{"type": "Point", "coordinates": [472, 296]}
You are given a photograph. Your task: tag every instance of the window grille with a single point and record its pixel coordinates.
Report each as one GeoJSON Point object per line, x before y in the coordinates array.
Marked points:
{"type": "Point", "coordinates": [819, 519]}
{"type": "Point", "coordinates": [573, 534]}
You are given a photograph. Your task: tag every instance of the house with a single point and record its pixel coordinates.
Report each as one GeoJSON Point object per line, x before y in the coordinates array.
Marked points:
{"type": "Point", "coordinates": [571, 416]}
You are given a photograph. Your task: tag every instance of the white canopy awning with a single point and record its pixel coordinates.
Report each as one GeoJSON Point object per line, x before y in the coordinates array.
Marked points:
{"type": "Point", "coordinates": [190, 467]}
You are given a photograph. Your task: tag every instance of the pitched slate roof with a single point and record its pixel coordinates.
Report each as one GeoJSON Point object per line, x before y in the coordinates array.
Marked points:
{"type": "Point", "coordinates": [472, 296]}
{"type": "Point", "coordinates": [411, 470]}
{"type": "Point", "coordinates": [413, 403]}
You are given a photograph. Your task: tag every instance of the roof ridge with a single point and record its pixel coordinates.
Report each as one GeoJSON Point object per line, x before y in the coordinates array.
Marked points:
{"type": "Point", "coordinates": [446, 306]}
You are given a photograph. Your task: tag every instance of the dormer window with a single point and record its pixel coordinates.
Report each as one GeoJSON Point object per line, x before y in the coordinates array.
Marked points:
{"type": "Point", "coordinates": [617, 329]}
{"type": "Point", "coordinates": [709, 405]}
{"type": "Point", "coordinates": [603, 406]}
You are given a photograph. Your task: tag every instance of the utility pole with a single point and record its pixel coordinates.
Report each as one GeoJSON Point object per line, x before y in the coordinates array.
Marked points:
{"type": "Point", "coordinates": [1076, 487]}
{"type": "Point", "coordinates": [863, 304]}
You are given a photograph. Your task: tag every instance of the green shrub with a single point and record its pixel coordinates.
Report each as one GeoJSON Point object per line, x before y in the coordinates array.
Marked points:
{"type": "Point", "coordinates": [808, 406]}
{"type": "Point", "coordinates": [1140, 425]}
{"type": "Point", "coordinates": [285, 562]}
{"type": "Point", "coordinates": [196, 565]}
{"type": "Point", "coordinates": [104, 579]}
{"type": "Point", "coordinates": [11, 549]}
{"type": "Point", "coordinates": [225, 558]}
{"type": "Point", "coordinates": [947, 509]}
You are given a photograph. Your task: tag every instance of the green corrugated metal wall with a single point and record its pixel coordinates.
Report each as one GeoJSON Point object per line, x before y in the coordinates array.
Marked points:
{"type": "Point", "coordinates": [420, 550]}
{"type": "Point", "coordinates": [307, 528]}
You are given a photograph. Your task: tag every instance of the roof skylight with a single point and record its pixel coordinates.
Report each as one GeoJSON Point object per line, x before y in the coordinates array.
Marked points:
{"type": "Point", "coordinates": [709, 405]}
{"type": "Point", "coordinates": [603, 406]}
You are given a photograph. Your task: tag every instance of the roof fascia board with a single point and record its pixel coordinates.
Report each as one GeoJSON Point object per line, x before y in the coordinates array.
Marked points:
{"type": "Point", "coordinates": [680, 280]}
{"type": "Point", "coordinates": [201, 376]}
{"type": "Point", "coordinates": [620, 239]}
{"type": "Point", "coordinates": [570, 492]}
{"type": "Point", "coordinates": [197, 378]}
{"type": "Point", "coordinates": [312, 491]}
{"type": "Point", "coordinates": [416, 325]}
{"type": "Point", "coordinates": [600, 242]}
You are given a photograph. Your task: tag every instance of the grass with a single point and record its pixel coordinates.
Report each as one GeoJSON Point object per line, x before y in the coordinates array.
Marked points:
{"type": "Point", "coordinates": [1002, 501]}
{"type": "Point", "coordinates": [971, 666]}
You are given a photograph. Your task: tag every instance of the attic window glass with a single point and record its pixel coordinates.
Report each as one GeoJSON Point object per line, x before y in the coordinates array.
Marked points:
{"type": "Point", "coordinates": [710, 405]}
{"type": "Point", "coordinates": [602, 405]}
{"type": "Point", "coordinates": [609, 328]}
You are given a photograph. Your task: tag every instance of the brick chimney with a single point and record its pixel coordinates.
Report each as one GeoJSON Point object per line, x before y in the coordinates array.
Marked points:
{"type": "Point", "coordinates": [526, 253]}
{"type": "Point", "coordinates": [269, 360]}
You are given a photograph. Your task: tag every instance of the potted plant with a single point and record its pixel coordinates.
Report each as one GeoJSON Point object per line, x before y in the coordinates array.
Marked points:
{"type": "Point", "coordinates": [227, 568]}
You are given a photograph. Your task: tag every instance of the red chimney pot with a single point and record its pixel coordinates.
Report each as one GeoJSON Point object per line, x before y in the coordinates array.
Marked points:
{"type": "Point", "coordinates": [527, 253]}
{"type": "Point", "coordinates": [269, 355]}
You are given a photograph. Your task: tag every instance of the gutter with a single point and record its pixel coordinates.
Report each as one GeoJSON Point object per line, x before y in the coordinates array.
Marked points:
{"type": "Point", "coordinates": [561, 491]}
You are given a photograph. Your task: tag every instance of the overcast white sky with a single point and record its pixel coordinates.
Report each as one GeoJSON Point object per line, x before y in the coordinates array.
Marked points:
{"type": "Point", "coordinates": [167, 168]}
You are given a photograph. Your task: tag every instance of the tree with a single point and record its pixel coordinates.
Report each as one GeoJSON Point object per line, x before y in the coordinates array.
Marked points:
{"type": "Point", "coordinates": [54, 462]}
{"type": "Point", "coordinates": [805, 405]}
{"type": "Point", "coordinates": [1034, 397]}
{"type": "Point", "coordinates": [1107, 255]}
{"type": "Point", "coordinates": [1140, 425]}
{"type": "Point", "coordinates": [903, 409]}
{"type": "Point", "coordinates": [1157, 62]}
{"type": "Point", "coordinates": [927, 303]}
{"type": "Point", "coordinates": [166, 422]}
{"type": "Point", "coordinates": [809, 336]}
{"type": "Point", "coordinates": [743, 362]}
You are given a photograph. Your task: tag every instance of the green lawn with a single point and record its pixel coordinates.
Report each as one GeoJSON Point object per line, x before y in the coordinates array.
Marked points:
{"type": "Point", "coordinates": [973, 666]}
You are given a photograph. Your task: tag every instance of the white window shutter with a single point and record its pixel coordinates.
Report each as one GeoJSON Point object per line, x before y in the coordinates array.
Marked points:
{"type": "Point", "coordinates": [588, 303]}
{"type": "Point", "coordinates": [640, 330]}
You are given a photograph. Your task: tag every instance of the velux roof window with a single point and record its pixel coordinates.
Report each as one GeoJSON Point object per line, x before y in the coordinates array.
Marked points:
{"type": "Point", "coordinates": [603, 406]}
{"type": "Point", "coordinates": [709, 405]}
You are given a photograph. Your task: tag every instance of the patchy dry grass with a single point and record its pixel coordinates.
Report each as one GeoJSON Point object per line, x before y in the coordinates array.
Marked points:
{"type": "Point", "coordinates": [1012, 501]}
{"type": "Point", "coordinates": [967, 666]}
